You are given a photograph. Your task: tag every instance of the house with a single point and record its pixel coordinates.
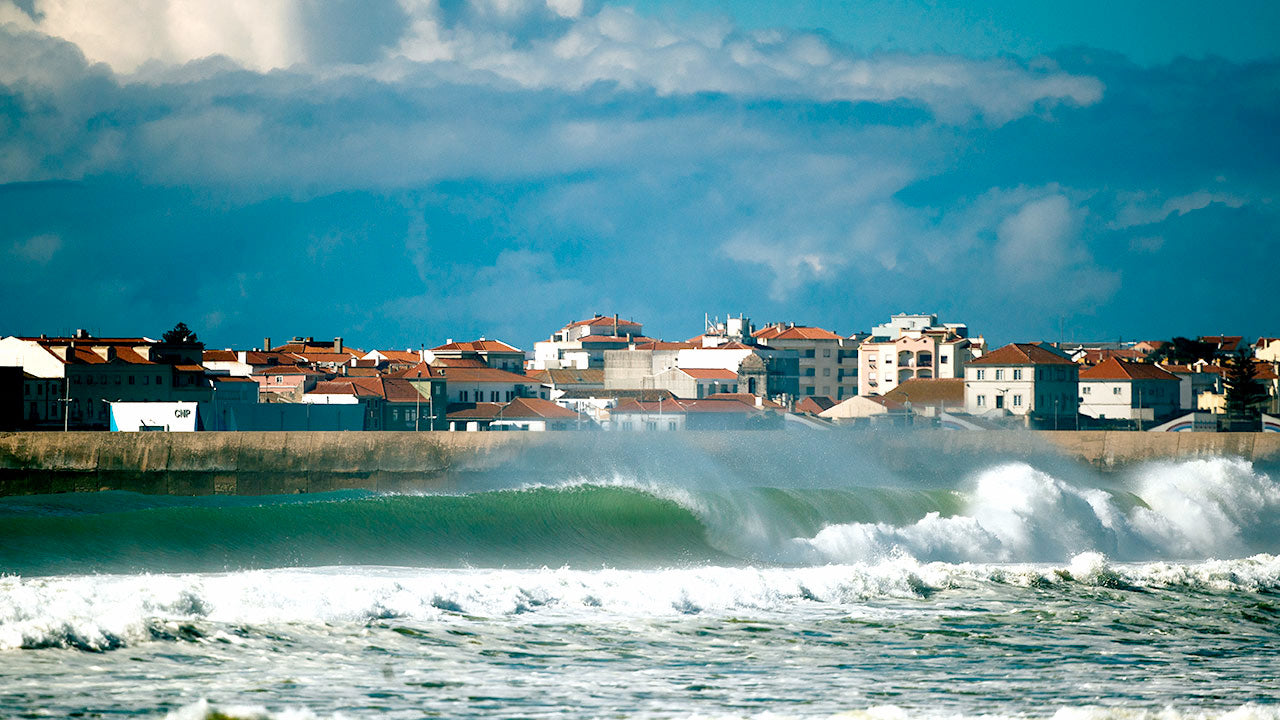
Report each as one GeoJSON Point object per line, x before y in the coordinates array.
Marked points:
{"type": "Point", "coordinates": [1267, 349]}
{"type": "Point", "coordinates": [828, 363]}
{"type": "Point", "coordinates": [493, 353]}
{"type": "Point", "coordinates": [487, 384]}
{"type": "Point", "coordinates": [1224, 344]}
{"type": "Point", "coordinates": [814, 405]}
{"type": "Point", "coordinates": [287, 383]}
{"type": "Point", "coordinates": [395, 404]}
{"type": "Point", "coordinates": [1022, 379]}
{"type": "Point", "coordinates": [472, 417]}
{"type": "Point", "coordinates": [565, 379]}
{"type": "Point", "coordinates": [582, 344]}
{"type": "Point", "coordinates": [92, 372]}
{"type": "Point", "coordinates": [1119, 390]}
{"type": "Point", "coordinates": [704, 414]}
{"type": "Point", "coordinates": [914, 355]}
{"type": "Point", "coordinates": [930, 397]}
{"type": "Point", "coordinates": [696, 382]}
{"type": "Point", "coordinates": [596, 404]}
{"type": "Point", "coordinates": [758, 369]}
{"type": "Point", "coordinates": [537, 415]}
{"type": "Point", "coordinates": [863, 409]}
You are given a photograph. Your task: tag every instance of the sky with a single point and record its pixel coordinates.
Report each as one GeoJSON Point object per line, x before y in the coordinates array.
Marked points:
{"type": "Point", "coordinates": [404, 172]}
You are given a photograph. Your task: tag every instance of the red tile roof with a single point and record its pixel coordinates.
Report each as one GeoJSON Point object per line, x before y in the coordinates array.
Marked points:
{"type": "Point", "coordinates": [483, 375]}
{"type": "Point", "coordinates": [418, 372]}
{"type": "Point", "coordinates": [522, 408]}
{"type": "Point", "coordinates": [795, 332]}
{"type": "Point", "coordinates": [401, 356]}
{"type": "Point", "coordinates": [458, 362]}
{"type": "Point", "coordinates": [473, 411]}
{"type": "Point", "coordinates": [664, 345]}
{"type": "Point", "coordinates": [1225, 343]}
{"type": "Point", "coordinates": [287, 370]}
{"type": "Point", "coordinates": [678, 406]}
{"type": "Point", "coordinates": [568, 376]}
{"type": "Point", "coordinates": [219, 356]}
{"type": "Point", "coordinates": [1116, 369]}
{"type": "Point", "coordinates": [600, 321]}
{"type": "Point", "coordinates": [747, 398]}
{"type": "Point", "coordinates": [477, 346]}
{"type": "Point", "coordinates": [1021, 354]}
{"type": "Point", "coordinates": [613, 339]}
{"type": "Point", "coordinates": [709, 373]}
{"type": "Point", "coordinates": [936, 392]}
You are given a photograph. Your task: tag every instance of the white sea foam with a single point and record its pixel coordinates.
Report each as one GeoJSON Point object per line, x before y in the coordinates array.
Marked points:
{"type": "Point", "coordinates": [106, 612]}
{"type": "Point", "coordinates": [204, 710]}
{"type": "Point", "coordinates": [1191, 509]}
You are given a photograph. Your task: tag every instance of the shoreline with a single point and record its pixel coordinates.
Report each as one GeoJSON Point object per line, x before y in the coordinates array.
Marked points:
{"type": "Point", "coordinates": [272, 463]}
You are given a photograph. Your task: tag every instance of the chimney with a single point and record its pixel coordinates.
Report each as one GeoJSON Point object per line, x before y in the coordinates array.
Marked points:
{"type": "Point", "coordinates": [337, 344]}
{"type": "Point", "coordinates": [615, 324]}
{"type": "Point", "coordinates": [81, 333]}
{"type": "Point", "coordinates": [266, 344]}
{"type": "Point", "coordinates": [242, 356]}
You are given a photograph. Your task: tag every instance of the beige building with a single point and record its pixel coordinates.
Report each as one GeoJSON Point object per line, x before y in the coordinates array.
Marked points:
{"type": "Point", "coordinates": [828, 362]}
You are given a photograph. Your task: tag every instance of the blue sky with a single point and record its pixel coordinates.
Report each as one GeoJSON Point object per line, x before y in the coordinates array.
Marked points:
{"type": "Point", "coordinates": [406, 171]}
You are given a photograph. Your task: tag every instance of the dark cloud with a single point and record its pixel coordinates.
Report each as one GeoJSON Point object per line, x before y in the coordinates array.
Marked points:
{"type": "Point", "coordinates": [402, 202]}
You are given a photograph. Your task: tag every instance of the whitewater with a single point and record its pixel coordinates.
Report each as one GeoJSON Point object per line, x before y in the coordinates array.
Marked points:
{"type": "Point", "coordinates": [786, 585]}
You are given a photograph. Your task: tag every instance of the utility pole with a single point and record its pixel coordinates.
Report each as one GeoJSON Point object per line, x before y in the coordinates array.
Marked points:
{"type": "Point", "coordinates": [66, 403]}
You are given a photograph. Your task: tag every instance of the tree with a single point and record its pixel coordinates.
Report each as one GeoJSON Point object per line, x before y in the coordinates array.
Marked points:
{"type": "Point", "coordinates": [1245, 395]}
{"type": "Point", "coordinates": [180, 335]}
{"type": "Point", "coordinates": [1183, 351]}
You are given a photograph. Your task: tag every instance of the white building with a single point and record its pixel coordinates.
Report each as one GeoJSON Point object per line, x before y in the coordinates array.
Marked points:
{"type": "Point", "coordinates": [1022, 379]}
{"type": "Point", "coordinates": [1118, 390]}
{"type": "Point", "coordinates": [582, 344]}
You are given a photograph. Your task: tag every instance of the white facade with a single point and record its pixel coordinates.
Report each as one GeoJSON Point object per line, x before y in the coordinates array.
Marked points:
{"type": "Point", "coordinates": [1144, 400]}
{"type": "Point", "coordinates": [162, 416]}
{"type": "Point", "coordinates": [1022, 380]}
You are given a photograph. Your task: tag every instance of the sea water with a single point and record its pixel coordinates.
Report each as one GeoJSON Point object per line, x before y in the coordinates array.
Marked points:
{"type": "Point", "coordinates": [1013, 588]}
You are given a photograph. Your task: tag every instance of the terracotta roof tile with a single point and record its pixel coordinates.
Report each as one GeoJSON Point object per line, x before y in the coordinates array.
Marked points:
{"type": "Point", "coordinates": [709, 373]}
{"type": "Point", "coordinates": [1116, 369]}
{"type": "Point", "coordinates": [795, 332]}
{"type": "Point", "coordinates": [1021, 354]}
{"type": "Point", "coordinates": [477, 346]}
{"type": "Point", "coordinates": [522, 408]}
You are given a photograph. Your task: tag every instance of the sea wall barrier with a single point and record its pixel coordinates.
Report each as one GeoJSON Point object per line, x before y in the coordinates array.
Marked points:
{"type": "Point", "coordinates": [258, 463]}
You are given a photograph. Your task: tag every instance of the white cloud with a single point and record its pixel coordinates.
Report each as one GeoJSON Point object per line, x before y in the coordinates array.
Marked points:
{"type": "Point", "coordinates": [38, 249]}
{"type": "Point", "coordinates": [558, 44]}
{"type": "Point", "coordinates": [1143, 208]}
{"type": "Point", "coordinates": [1039, 240]}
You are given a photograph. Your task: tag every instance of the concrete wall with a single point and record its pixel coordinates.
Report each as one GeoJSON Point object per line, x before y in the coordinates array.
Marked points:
{"type": "Point", "coordinates": [256, 463]}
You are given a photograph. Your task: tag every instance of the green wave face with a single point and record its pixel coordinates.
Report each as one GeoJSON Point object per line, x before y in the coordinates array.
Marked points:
{"type": "Point", "coordinates": [581, 526]}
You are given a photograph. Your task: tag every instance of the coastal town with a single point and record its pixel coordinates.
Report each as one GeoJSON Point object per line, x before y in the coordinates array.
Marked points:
{"type": "Point", "coordinates": [606, 372]}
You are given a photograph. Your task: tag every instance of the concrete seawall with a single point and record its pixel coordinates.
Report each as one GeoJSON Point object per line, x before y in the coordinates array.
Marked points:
{"type": "Point", "coordinates": [248, 463]}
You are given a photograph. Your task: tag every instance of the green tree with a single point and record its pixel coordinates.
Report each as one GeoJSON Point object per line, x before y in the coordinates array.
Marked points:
{"type": "Point", "coordinates": [1183, 351]}
{"type": "Point", "coordinates": [180, 335]}
{"type": "Point", "coordinates": [1245, 395]}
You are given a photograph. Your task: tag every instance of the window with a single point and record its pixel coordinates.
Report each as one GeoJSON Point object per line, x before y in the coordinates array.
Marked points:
{"type": "Point", "coordinates": [1017, 401]}
{"type": "Point", "coordinates": [808, 353]}
{"type": "Point", "coordinates": [1000, 374]}
{"type": "Point", "coordinates": [999, 401]}
{"type": "Point", "coordinates": [1115, 390]}
{"type": "Point", "coordinates": [982, 401]}
{"type": "Point", "coordinates": [810, 372]}
{"type": "Point", "coordinates": [1085, 390]}
{"type": "Point", "coordinates": [88, 379]}
{"type": "Point", "coordinates": [131, 380]}
{"type": "Point", "coordinates": [826, 372]}
{"type": "Point", "coordinates": [395, 413]}
{"type": "Point", "coordinates": [944, 359]}
{"type": "Point", "coordinates": [650, 424]}
{"type": "Point", "coordinates": [117, 379]}
{"type": "Point", "coordinates": [462, 396]}
{"type": "Point", "coordinates": [808, 390]}
{"type": "Point", "coordinates": [159, 379]}
{"type": "Point", "coordinates": [671, 425]}
{"type": "Point", "coordinates": [39, 389]}
{"type": "Point", "coordinates": [146, 379]}
{"type": "Point", "coordinates": [493, 395]}
{"type": "Point", "coordinates": [980, 375]}
{"type": "Point", "coordinates": [411, 415]}
{"type": "Point", "coordinates": [1017, 374]}
{"type": "Point", "coordinates": [279, 380]}
{"type": "Point", "coordinates": [826, 352]}
{"type": "Point", "coordinates": [510, 396]}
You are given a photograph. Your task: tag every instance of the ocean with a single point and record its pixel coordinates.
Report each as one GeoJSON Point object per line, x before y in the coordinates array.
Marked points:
{"type": "Point", "coordinates": [798, 583]}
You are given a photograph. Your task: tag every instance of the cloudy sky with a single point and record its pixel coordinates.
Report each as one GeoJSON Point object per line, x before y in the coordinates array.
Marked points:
{"type": "Point", "coordinates": [407, 171]}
